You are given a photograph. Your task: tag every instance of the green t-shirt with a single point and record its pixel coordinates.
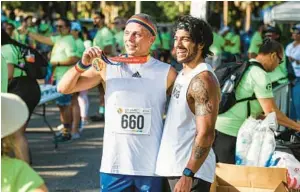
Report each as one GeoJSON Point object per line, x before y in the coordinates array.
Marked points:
{"type": "Point", "coordinates": [80, 47]}
{"type": "Point", "coordinates": [228, 37]}
{"type": "Point", "coordinates": [166, 41]}
{"type": "Point", "coordinates": [255, 43]}
{"type": "Point", "coordinates": [280, 72]}
{"type": "Point", "coordinates": [18, 176]}
{"type": "Point", "coordinates": [21, 38]}
{"type": "Point", "coordinates": [236, 40]}
{"type": "Point", "coordinates": [13, 56]}
{"type": "Point", "coordinates": [4, 75]}
{"type": "Point", "coordinates": [103, 38]}
{"type": "Point", "coordinates": [64, 47]}
{"type": "Point", "coordinates": [255, 80]}
{"type": "Point", "coordinates": [119, 36]}
{"type": "Point", "coordinates": [156, 44]}
{"type": "Point", "coordinates": [217, 45]}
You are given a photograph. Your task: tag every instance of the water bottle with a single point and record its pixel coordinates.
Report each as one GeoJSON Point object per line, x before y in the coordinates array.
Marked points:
{"type": "Point", "coordinates": [229, 85]}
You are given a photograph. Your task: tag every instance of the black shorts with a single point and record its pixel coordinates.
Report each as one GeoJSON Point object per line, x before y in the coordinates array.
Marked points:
{"type": "Point", "coordinates": [28, 89]}
{"type": "Point", "coordinates": [198, 185]}
{"type": "Point", "coordinates": [224, 148]}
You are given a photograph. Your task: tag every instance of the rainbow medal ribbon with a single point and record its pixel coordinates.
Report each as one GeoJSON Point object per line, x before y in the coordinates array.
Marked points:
{"type": "Point", "coordinates": [99, 63]}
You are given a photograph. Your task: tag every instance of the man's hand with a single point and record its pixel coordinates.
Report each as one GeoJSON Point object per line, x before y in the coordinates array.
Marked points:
{"type": "Point", "coordinates": [184, 184]}
{"type": "Point", "coordinates": [90, 54]}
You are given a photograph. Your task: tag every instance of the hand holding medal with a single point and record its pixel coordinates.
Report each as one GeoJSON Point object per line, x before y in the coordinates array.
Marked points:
{"type": "Point", "coordinates": [94, 56]}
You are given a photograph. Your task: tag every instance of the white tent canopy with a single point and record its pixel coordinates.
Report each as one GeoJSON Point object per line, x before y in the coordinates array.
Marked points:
{"type": "Point", "coordinates": [286, 12]}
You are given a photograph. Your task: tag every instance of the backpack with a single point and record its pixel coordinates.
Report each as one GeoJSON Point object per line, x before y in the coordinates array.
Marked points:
{"type": "Point", "coordinates": [36, 69]}
{"type": "Point", "coordinates": [224, 73]}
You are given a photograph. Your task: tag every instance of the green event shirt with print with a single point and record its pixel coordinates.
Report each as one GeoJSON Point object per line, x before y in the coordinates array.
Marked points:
{"type": "Point", "coordinates": [228, 37]}
{"type": "Point", "coordinates": [18, 176]}
{"type": "Point", "coordinates": [255, 80]}
{"type": "Point", "coordinates": [166, 41]}
{"type": "Point", "coordinates": [255, 43]}
{"type": "Point", "coordinates": [218, 43]}
{"type": "Point", "coordinates": [64, 47]}
{"type": "Point", "coordinates": [103, 38]}
{"type": "Point", "coordinates": [12, 55]}
{"type": "Point", "coordinates": [119, 36]}
{"type": "Point", "coordinates": [80, 47]}
{"type": "Point", "coordinates": [236, 48]}
{"type": "Point", "coordinates": [4, 75]}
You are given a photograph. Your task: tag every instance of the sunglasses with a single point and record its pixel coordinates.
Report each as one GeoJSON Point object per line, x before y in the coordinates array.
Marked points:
{"type": "Point", "coordinates": [59, 26]}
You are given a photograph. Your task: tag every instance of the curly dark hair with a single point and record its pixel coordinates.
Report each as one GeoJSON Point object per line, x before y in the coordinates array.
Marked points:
{"type": "Point", "coordinates": [200, 32]}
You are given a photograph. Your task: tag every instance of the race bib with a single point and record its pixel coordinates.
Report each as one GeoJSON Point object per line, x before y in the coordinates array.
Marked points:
{"type": "Point", "coordinates": [133, 120]}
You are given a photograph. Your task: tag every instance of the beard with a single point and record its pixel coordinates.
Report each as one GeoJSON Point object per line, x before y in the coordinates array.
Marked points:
{"type": "Point", "coordinates": [188, 58]}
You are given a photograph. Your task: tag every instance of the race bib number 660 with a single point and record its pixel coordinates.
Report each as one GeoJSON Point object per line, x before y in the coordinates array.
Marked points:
{"type": "Point", "coordinates": [134, 120]}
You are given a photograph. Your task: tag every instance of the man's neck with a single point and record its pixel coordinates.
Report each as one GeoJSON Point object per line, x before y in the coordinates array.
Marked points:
{"type": "Point", "coordinates": [261, 60]}
{"type": "Point", "coordinates": [100, 27]}
{"type": "Point", "coordinates": [187, 67]}
{"type": "Point", "coordinates": [296, 43]}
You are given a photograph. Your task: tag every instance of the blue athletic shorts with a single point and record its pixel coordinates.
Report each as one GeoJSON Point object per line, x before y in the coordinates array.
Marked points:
{"type": "Point", "coordinates": [64, 100]}
{"type": "Point", "coordinates": [129, 183]}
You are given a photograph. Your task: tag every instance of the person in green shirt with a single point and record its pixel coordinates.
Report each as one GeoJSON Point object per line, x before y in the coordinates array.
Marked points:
{"type": "Point", "coordinates": [16, 175]}
{"type": "Point", "coordinates": [4, 75]}
{"type": "Point", "coordinates": [156, 46]}
{"type": "Point", "coordinates": [76, 32]}
{"type": "Point", "coordinates": [119, 26]}
{"type": "Point", "coordinates": [63, 56]}
{"type": "Point", "coordinates": [254, 81]}
{"type": "Point", "coordinates": [20, 84]}
{"type": "Point", "coordinates": [10, 29]}
{"type": "Point", "coordinates": [105, 40]}
{"type": "Point", "coordinates": [256, 41]}
{"type": "Point", "coordinates": [166, 39]}
{"type": "Point", "coordinates": [216, 48]}
{"type": "Point", "coordinates": [235, 42]}
{"type": "Point", "coordinates": [279, 75]}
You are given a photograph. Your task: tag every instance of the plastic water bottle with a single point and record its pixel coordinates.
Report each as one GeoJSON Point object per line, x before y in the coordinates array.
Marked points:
{"type": "Point", "coordinates": [229, 85]}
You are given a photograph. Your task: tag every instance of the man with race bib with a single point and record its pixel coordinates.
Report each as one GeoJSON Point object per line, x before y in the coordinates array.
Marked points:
{"type": "Point", "coordinates": [136, 88]}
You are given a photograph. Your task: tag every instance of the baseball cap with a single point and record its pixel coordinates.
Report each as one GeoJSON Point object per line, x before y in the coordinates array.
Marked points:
{"type": "Point", "coordinates": [273, 29]}
{"type": "Point", "coordinates": [75, 26]}
{"type": "Point", "coordinates": [14, 113]}
{"type": "Point", "coordinates": [297, 27]}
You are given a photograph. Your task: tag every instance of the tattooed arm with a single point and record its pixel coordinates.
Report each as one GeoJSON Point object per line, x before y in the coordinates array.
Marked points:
{"type": "Point", "coordinates": [204, 97]}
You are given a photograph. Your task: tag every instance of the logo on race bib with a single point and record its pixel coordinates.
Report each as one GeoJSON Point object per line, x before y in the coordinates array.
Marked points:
{"type": "Point", "coordinates": [120, 110]}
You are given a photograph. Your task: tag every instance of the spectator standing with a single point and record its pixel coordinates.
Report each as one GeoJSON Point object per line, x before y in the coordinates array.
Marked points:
{"type": "Point", "coordinates": [293, 54]}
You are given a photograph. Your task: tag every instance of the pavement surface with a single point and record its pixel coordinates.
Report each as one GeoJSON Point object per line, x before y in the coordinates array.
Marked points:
{"type": "Point", "coordinates": [73, 166]}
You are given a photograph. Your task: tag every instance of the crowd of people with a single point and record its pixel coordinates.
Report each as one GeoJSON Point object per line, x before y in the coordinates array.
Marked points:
{"type": "Point", "coordinates": [130, 64]}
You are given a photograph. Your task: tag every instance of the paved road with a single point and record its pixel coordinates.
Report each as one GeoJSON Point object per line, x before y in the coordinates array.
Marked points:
{"type": "Point", "coordinates": [74, 166]}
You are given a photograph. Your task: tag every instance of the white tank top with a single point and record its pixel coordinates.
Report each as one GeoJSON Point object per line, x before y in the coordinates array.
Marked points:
{"type": "Point", "coordinates": [179, 132]}
{"type": "Point", "coordinates": [135, 100]}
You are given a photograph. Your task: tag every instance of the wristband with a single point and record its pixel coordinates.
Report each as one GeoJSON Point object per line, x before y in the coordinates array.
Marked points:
{"type": "Point", "coordinates": [81, 67]}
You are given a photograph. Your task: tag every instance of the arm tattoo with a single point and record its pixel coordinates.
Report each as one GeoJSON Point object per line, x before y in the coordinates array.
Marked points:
{"type": "Point", "coordinates": [200, 151]}
{"type": "Point", "coordinates": [203, 105]}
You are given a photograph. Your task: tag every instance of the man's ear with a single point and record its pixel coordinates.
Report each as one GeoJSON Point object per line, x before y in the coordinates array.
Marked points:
{"type": "Point", "coordinates": [152, 39]}
{"type": "Point", "coordinates": [200, 46]}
